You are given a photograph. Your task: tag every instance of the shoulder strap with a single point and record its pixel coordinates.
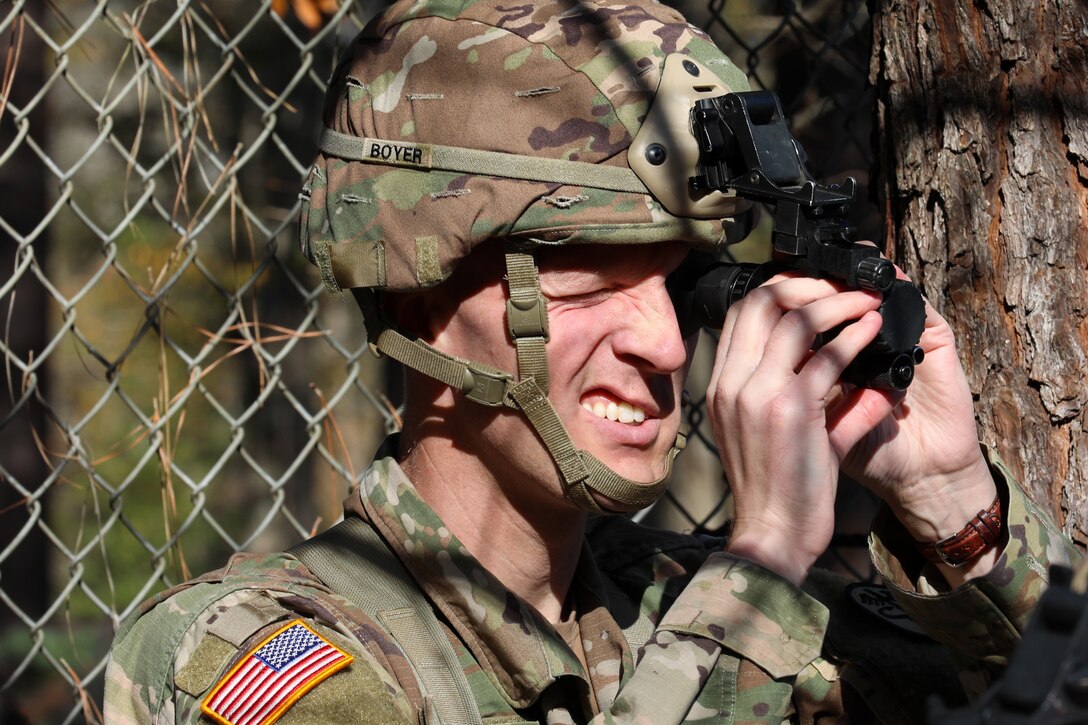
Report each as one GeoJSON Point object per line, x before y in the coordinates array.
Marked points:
{"type": "Point", "coordinates": [353, 561]}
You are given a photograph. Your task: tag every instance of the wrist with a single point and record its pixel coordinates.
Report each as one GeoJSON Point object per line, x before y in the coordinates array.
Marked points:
{"type": "Point", "coordinates": [981, 533]}
{"type": "Point", "coordinates": [962, 528]}
{"type": "Point", "coordinates": [937, 506]}
{"type": "Point", "coordinates": [773, 554]}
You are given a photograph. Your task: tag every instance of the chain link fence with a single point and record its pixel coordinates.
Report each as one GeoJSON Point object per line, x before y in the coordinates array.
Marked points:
{"type": "Point", "coordinates": [176, 386]}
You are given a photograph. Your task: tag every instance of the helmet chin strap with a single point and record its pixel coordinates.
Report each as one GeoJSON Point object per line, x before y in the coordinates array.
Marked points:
{"type": "Point", "coordinates": [582, 473]}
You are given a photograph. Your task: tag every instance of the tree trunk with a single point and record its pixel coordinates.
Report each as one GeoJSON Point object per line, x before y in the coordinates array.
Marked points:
{"type": "Point", "coordinates": [983, 120]}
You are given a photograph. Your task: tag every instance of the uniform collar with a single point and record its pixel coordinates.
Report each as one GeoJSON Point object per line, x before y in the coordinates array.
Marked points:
{"type": "Point", "coordinates": [518, 649]}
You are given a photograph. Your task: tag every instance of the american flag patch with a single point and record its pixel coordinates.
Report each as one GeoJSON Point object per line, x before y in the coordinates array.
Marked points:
{"type": "Point", "coordinates": [276, 673]}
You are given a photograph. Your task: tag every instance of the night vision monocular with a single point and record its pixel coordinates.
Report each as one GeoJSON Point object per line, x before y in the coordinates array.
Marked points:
{"type": "Point", "coordinates": [745, 148]}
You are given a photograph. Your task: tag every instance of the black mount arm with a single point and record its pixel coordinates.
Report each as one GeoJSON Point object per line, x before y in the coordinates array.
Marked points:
{"type": "Point", "coordinates": [746, 148]}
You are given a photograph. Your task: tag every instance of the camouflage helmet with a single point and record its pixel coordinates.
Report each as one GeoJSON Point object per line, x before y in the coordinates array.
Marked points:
{"type": "Point", "coordinates": [450, 123]}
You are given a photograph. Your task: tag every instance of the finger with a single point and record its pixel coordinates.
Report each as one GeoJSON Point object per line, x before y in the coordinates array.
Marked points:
{"type": "Point", "coordinates": [860, 411]}
{"type": "Point", "coordinates": [752, 319]}
{"type": "Point", "coordinates": [800, 290]}
{"type": "Point", "coordinates": [937, 333]}
{"type": "Point", "coordinates": [725, 341]}
{"type": "Point", "coordinates": [790, 343]}
{"type": "Point", "coordinates": [899, 273]}
{"type": "Point", "coordinates": [743, 339]}
{"type": "Point", "coordinates": [824, 368]}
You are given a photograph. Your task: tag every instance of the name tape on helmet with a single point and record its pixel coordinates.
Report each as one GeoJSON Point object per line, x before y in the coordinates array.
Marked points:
{"type": "Point", "coordinates": [398, 152]}
{"type": "Point", "coordinates": [376, 150]}
{"type": "Point", "coordinates": [478, 161]}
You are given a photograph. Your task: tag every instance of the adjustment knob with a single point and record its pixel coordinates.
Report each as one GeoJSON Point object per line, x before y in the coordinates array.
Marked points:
{"type": "Point", "coordinates": [875, 273]}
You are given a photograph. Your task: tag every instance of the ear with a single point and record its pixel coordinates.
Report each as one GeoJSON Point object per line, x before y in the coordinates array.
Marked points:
{"type": "Point", "coordinates": [413, 313]}
{"type": "Point", "coordinates": [425, 313]}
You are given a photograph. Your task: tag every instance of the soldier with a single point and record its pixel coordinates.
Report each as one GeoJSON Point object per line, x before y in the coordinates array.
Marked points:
{"type": "Point", "coordinates": [484, 190]}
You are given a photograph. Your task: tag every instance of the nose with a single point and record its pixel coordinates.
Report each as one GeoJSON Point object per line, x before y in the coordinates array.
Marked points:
{"type": "Point", "coordinates": [649, 329]}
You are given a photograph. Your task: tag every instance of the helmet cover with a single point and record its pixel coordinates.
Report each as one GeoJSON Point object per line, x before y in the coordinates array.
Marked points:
{"type": "Point", "coordinates": [570, 81]}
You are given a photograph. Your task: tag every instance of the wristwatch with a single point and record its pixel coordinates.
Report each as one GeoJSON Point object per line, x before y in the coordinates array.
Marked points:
{"type": "Point", "coordinates": [978, 536]}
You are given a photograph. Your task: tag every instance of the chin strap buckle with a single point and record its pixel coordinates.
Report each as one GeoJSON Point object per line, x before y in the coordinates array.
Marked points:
{"type": "Point", "coordinates": [488, 387]}
{"type": "Point", "coordinates": [527, 317]}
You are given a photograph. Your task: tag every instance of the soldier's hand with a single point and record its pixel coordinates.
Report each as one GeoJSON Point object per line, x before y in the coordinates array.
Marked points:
{"type": "Point", "coordinates": [768, 401]}
{"type": "Point", "coordinates": [919, 450]}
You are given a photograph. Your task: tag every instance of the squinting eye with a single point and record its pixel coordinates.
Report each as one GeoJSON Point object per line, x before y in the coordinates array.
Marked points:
{"type": "Point", "coordinates": [595, 294]}
{"type": "Point", "coordinates": [584, 298]}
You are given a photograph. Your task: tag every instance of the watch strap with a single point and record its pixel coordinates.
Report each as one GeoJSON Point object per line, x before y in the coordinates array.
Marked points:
{"type": "Point", "coordinates": [979, 535]}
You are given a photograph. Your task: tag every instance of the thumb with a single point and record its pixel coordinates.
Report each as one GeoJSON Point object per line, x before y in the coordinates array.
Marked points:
{"type": "Point", "coordinates": [857, 414]}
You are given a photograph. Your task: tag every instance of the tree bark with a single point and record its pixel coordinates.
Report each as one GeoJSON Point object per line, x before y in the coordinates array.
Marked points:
{"type": "Point", "coordinates": [982, 118]}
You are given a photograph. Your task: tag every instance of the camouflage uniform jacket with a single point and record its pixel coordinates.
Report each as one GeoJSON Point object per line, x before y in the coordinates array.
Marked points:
{"type": "Point", "coordinates": [728, 641]}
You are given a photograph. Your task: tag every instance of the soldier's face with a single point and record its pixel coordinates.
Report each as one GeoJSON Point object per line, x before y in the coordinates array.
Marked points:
{"type": "Point", "coordinates": [616, 359]}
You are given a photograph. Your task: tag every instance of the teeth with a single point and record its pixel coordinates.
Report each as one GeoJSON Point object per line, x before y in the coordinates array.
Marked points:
{"type": "Point", "coordinates": [627, 413]}
{"type": "Point", "coordinates": [622, 412]}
